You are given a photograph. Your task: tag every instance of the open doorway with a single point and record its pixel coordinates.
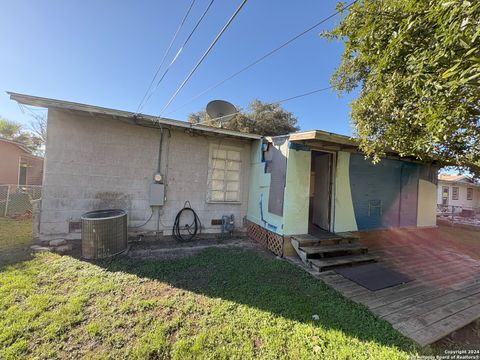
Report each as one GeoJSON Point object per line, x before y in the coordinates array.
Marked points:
{"type": "Point", "coordinates": [320, 192]}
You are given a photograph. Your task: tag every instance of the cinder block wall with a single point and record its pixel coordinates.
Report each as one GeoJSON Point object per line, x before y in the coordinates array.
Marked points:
{"type": "Point", "coordinates": [95, 162]}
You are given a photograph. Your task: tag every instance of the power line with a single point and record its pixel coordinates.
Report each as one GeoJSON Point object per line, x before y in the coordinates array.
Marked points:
{"type": "Point", "coordinates": [271, 103]}
{"type": "Point", "coordinates": [178, 53]}
{"type": "Point", "coordinates": [166, 53]}
{"type": "Point", "coordinates": [32, 113]}
{"type": "Point", "coordinates": [267, 54]}
{"type": "Point", "coordinates": [243, 2]}
{"type": "Point", "coordinates": [302, 95]}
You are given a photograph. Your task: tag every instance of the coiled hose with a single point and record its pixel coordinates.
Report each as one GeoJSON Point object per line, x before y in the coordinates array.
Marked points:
{"type": "Point", "coordinates": [192, 229]}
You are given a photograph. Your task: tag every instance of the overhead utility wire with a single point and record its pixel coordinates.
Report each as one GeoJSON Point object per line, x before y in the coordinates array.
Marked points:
{"type": "Point", "coordinates": [204, 55]}
{"type": "Point", "coordinates": [267, 55]}
{"type": "Point", "coordinates": [178, 53]}
{"type": "Point", "coordinates": [271, 103]}
{"type": "Point", "coordinates": [165, 54]}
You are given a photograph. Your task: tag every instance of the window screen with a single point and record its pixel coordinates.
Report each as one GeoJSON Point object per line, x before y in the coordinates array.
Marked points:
{"type": "Point", "coordinates": [224, 174]}
{"type": "Point", "coordinates": [469, 193]}
{"type": "Point", "coordinates": [454, 193]}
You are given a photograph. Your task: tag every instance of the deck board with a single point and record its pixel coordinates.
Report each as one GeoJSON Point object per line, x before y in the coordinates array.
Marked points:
{"type": "Point", "coordinates": [446, 326]}
{"type": "Point", "coordinates": [443, 297]}
{"type": "Point", "coordinates": [414, 324]}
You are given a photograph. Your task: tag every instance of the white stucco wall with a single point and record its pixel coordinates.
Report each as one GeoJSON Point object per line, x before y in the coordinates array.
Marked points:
{"type": "Point", "coordinates": [97, 162]}
{"type": "Point", "coordinates": [344, 217]}
{"type": "Point", "coordinates": [462, 196]}
{"type": "Point", "coordinates": [297, 192]}
{"type": "Point", "coordinates": [426, 207]}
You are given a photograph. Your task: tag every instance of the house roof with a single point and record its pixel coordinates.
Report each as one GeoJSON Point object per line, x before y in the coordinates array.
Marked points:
{"type": "Point", "coordinates": [323, 136]}
{"type": "Point", "coordinates": [332, 141]}
{"type": "Point", "coordinates": [455, 178]}
{"type": "Point", "coordinates": [18, 144]}
{"type": "Point", "coordinates": [449, 177]}
{"type": "Point", "coordinates": [138, 119]}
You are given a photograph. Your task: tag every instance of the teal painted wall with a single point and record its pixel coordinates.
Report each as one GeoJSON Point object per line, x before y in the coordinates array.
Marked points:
{"type": "Point", "coordinates": [355, 182]}
{"type": "Point", "coordinates": [259, 188]}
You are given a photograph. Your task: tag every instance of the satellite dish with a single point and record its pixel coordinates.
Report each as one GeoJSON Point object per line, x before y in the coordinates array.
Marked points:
{"type": "Point", "coordinates": [221, 110]}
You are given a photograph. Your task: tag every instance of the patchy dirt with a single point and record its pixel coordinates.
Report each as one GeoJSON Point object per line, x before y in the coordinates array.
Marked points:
{"type": "Point", "coordinates": [466, 337]}
{"type": "Point", "coordinates": [168, 248]}
{"type": "Point", "coordinates": [468, 223]}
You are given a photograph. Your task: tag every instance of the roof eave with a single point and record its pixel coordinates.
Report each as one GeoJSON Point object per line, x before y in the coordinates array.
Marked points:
{"type": "Point", "coordinates": [319, 135]}
{"type": "Point", "coordinates": [91, 109]}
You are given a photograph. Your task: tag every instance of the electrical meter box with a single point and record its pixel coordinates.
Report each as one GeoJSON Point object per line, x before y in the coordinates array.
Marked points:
{"type": "Point", "coordinates": [157, 194]}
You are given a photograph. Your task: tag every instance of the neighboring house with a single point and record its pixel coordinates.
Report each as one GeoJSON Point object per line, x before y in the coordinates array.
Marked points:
{"type": "Point", "coordinates": [103, 158]}
{"type": "Point", "coordinates": [18, 166]}
{"type": "Point", "coordinates": [458, 192]}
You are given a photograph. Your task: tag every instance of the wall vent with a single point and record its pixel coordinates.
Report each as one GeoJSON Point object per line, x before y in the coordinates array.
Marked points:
{"type": "Point", "coordinates": [74, 226]}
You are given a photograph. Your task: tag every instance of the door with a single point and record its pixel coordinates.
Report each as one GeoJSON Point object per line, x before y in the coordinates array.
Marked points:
{"type": "Point", "coordinates": [445, 195]}
{"type": "Point", "coordinates": [321, 199]}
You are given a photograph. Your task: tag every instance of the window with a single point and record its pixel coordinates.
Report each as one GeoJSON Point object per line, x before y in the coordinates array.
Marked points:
{"type": "Point", "coordinates": [224, 174]}
{"type": "Point", "coordinates": [469, 193]}
{"type": "Point", "coordinates": [454, 193]}
{"type": "Point", "coordinates": [22, 176]}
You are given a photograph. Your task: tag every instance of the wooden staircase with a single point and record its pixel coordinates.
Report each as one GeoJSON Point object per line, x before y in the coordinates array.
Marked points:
{"type": "Point", "coordinates": [327, 250]}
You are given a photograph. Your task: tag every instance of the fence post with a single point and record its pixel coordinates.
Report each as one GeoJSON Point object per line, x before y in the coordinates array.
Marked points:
{"type": "Point", "coordinates": [8, 198]}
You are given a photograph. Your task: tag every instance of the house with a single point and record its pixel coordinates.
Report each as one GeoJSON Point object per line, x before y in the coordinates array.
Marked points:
{"type": "Point", "coordinates": [18, 166]}
{"type": "Point", "coordinates": [274, 187]}
{"type": "Point", "coordinates": [314, 181]}
{"type": "Point", "coordinates": [457, 193]}
{"type": "Point", "coordinates": [99, 158]}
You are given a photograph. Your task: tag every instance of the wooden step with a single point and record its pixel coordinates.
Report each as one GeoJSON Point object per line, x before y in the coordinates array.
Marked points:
{"type": "Point", "coordinates": [347, 234]}
{"type": "Point", "coordinates": [309, 240]}
{"type": "Point", "coordinates": [322, 264]}
{"type": "Point", "coordinates": [311, 251]}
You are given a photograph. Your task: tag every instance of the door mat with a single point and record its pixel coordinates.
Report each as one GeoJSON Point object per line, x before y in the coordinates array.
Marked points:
{"type": "Point", "coordinates": [373, 276]}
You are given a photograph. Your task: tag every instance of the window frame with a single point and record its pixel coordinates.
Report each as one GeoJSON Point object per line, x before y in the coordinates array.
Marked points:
{"type": "Point", "coordinates": [23, 166]}
{"type": "Point", "coordinates": [469, 193]}
{"type": "Point", "coordinates": [213, 147]}
{"type": "Point", "coordinates": [455, 193]}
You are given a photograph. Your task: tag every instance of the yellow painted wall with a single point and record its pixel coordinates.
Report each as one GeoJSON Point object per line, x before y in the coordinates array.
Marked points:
{"type": "Point", "coordinates": [427, 203]}
{"type": "Point", "coordinates": [259, 188]}
{"type": "Point", "coordinates": [344, 215]}
{"type": "Point", "coordinates": [297, 192]}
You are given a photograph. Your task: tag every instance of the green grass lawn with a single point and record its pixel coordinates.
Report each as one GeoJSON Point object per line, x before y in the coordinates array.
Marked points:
{"type": "Point", "coordinates": [15, 240]}
{"type": "Point", "coordinates": [221, 303]}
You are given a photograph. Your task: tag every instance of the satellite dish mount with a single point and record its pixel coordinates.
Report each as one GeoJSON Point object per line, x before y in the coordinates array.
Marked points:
{"type": "Point", "coordinates": [221, 110]}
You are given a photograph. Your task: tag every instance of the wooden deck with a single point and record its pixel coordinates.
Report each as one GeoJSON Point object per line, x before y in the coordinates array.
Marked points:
{"type": "Point", "coordinates": [444, 295]}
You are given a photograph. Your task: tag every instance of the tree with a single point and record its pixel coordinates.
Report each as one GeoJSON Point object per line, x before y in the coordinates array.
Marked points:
{"type": "Point", "coordinates": [11, 130]}
{"type": "Point", "coordinates": [38, 126]}
{"type": "Point", "coordinates": [416, 64]}
{"type": "Point", "coordinates": [260, 118]}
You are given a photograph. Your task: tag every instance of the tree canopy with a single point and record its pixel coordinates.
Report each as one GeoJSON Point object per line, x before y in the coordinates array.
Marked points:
{"type": "Point", "coordinates": [11, 130]}
{"type": "Point", "coordinates": [260, 118]}
{"type": "Point", "coordinates": [416, 65]}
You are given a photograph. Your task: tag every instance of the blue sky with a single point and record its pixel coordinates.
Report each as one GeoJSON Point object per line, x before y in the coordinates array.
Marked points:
{"type": "Point", "coordinates": [105, 53]}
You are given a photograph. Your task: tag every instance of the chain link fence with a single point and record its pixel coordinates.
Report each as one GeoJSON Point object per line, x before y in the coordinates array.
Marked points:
{"type": "Point", "coordinates": [16, 200]}
{"type": "Point", "coordinates": [456, 210]}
